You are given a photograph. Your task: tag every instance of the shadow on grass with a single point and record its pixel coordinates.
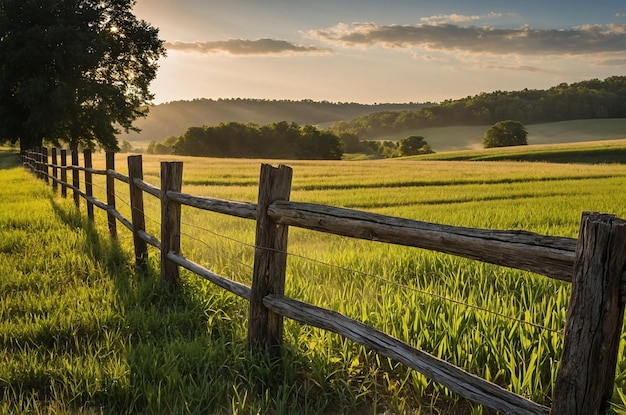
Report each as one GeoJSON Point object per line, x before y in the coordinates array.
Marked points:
{"type": "Point", "coordinates": [9, 158]}
{"type": "Point", "coordinates": [184, 350]}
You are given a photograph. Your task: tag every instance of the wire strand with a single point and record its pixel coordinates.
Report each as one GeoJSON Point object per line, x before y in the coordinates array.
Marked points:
{"type": "Point", "coordinates": [387, 281]}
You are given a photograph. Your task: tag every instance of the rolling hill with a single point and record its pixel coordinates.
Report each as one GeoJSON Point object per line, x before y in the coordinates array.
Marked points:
{"type": "Point", "coordinates": [174, 118]}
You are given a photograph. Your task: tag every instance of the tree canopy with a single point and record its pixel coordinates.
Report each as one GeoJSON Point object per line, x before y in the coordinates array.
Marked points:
{"type": "Point", "coordinates": [505, 134]}
{"type": "Point", "coordinates": [280, 140]}
{"type": "Point", "coordinates": [73, 70]}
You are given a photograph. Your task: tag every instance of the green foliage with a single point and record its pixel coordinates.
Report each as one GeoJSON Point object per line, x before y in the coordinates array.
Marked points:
{"type": "Point", "coordinates": [583, 100]}
{"type": "Point", "coordinates": [281, 140]}
{"type": "Point", "coordinates": [414, 145]}
{"type": "Point", "coordinates": [505, 134]}
{"type": "Point", "coordinates": [73, 71]}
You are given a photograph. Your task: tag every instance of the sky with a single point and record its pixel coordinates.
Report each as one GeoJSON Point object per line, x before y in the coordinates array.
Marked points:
{"type": "Point", "coordinates": [375, 51]}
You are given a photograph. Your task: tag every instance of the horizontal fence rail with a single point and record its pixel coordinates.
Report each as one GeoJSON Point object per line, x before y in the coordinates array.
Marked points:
{"type": "Point", "coordinates": [595, 265]}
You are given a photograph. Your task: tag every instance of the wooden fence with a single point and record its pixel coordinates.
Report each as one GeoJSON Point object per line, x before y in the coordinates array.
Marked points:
{"type": "Point", "coordinates": [595, 264]}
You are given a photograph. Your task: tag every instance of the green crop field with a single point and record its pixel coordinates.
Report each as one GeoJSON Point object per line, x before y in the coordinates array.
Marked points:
{"type": "Point", "coordinates": [84, 332]}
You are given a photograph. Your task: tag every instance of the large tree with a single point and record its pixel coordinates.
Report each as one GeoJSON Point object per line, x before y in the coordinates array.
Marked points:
{"type": "Point", "coordinates": [73, 70]}
{"type": "Point", "coordinates": [506, 133]}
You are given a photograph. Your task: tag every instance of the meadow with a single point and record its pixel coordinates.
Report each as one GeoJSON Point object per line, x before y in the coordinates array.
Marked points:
{"type": "Point", "coordinates": [83, 331]}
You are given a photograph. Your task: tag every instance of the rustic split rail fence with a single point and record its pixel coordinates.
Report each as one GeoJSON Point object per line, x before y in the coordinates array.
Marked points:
{"type": "Point", "coordinates": [595, 265]}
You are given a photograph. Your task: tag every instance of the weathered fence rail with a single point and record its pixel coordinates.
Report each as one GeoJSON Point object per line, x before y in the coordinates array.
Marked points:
{"type": "Point", "coordinates": [595, 264]}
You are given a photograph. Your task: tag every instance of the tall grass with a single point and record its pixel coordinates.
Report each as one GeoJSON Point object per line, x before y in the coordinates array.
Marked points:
{"type": "Point", "coordinates": [105, 338]}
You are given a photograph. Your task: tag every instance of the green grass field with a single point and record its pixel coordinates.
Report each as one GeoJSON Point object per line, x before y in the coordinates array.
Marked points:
{"type": "Point", "coordinates": [443, 139]}
{"type": "Point", "coordinates": [591, 152]}
{"type": "Point", "coordinates": [84, 332]}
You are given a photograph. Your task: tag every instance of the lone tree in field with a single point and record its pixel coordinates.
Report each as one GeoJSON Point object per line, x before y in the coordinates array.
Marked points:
{"type": "Point", "coordinates": [76, 71]}
{"type": "Point", "coordinates": [414, 145]}
{"type": "Point", "coordinates": [506, 133]}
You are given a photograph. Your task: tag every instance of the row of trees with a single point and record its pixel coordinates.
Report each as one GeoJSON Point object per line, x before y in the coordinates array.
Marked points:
{"type": "Point", "coordinates": [74, 71]}
{"type": "Point", "coordinates": [583, 100]}
{"type": "Point", "coordinates": [280, 140]}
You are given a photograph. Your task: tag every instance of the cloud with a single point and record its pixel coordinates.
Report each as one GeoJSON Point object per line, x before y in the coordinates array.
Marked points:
{"type": "Point", "coordinates": [459, 18]}
{"type": "Point", "coordinates": [588, 39]}
{"type": "Point", "coordinates": [613, 62]}
{"type": "Point", "coordinates": [245, 47]}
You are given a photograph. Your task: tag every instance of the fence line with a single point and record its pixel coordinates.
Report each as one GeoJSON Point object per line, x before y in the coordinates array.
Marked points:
{"type": "Point", "coordinates": [595, 264]}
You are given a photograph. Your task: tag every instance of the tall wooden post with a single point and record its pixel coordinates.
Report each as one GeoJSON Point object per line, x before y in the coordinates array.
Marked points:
{"type": "Point", "coordinates": [265, 328]}
{"type": "Point", "coordinates": [171, 179]}
{"type": "Point", "coordinates": [89, 182]}
{"type": "Point", "coordinates": [45, 170]}
{"type": "Point", "coordinates": [75, 179]}
{"type": "Point", "coordinates": [135, 171]}
{"type": "Point", "coordinates": [55, 170]}
{"type": "Point", "coordinates": [37, 162]}
{"type": "Point", "coordinates": [584, 382]}
{"type": "Point", "coordinates": [110, 165]}
{"type": "Point", "coordinates": [64, 173]}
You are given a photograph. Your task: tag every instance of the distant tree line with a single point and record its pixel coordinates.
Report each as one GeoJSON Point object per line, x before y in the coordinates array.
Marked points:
{"type": "Point", "coordinates": [409, 146]}
{"type": "Point", "coordinates": [582, 100]}
{"type": "Point", "coordinates": [280, 140]}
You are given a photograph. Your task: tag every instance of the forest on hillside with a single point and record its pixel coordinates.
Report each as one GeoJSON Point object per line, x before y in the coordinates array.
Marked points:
{"type": "Point", "coordinates": [174, 118]}
{"type": "Point", "coordinates": [592, 99]}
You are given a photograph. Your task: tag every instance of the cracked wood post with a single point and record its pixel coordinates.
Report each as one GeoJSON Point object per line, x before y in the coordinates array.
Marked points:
{"type": "Point", "coordinates": [110, 165]}
{"type": "Point", "coordinates": [75, 179]}
{"type": "Point", "coordinates": [55, 170]}
{"type": "Point", "coordinates": [64, 173]}
{"type": "Point", "coordinates": [135, 171]}
{"type": "Point", "coordinates": [585, 379]}
{"type": "Point", "coordinates": [171, 179]}
{"type": "Point", "coordinates": [89, 183]}
{"type": "Point", "coordinates": [265, 328]}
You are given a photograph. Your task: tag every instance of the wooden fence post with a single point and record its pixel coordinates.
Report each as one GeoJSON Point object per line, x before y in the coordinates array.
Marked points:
{"type": "Point", "coordinates": [64, 173]}
{"type": "Point", "coordinates": [37, 162]}
{"type": "Point", "coordinates": [584, 382]}
{"type": "Point", "coordinates": [171, 179]}
{"type": "Point", "coordinates": [55, 170]}
{"type": "Point", "coordinates": [135, 171]}
{"type": "Point", "coordinates": [265, 328]}
{"type": "Point", "coordinates": [88, 182]}
{"type": "Point", "coordinates": [44, 165]}
{"type": "Point", "coordinates": [110, 165]}
{"type": "Point", "coordinates": [75, 179]}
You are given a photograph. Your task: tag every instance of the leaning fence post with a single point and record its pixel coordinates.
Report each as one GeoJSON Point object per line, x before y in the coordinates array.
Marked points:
{"type": "Point", "coordinates": [265, 328]}
{"type": "Point", "coordinates": [89, 183]}
{"type": "Point", "coordinates": [55, 170]}
{"type": "Point", "coordinates": [171, 179]}
{"type": "Point", "coordinates": [110, 165]}
{"type": "Point", "coordinates": [75, 179]}
{"type": "Point", "coordinates": [64, 173]}
{"type": "Point", "coordinates": [584, 382]}
{"type": "Point", "coordinates": [135, 171]}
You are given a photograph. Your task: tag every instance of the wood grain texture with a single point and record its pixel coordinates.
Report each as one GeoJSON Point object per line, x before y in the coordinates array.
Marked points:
{"type": "Point", "coordinates": [171, 179]}
{"type": "Point", "coordinates": [265, 328]}
{"type": "Point", "coordinates": [584, 383]}
{"type": "Point", "coordinates": [239, 209]}
{"type": "Point", "coordinates": [110, 186]}
{"type": "Point", "coordinates": [135, 171]}
{"type": "Point", "coordinates": [454, 378]}
{"type": "Point", "coordinates": [546, 255]}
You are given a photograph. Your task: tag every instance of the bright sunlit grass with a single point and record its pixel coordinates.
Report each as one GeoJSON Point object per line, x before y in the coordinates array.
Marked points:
{"type": "Point", "coordinates": [82, 331]}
